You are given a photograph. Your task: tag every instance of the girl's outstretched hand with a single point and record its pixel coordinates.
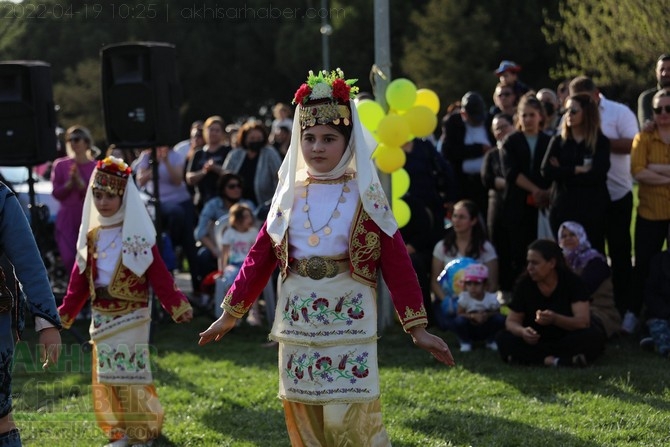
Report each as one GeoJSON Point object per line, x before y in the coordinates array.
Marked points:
{"type": "Point", "coordinates": [218, 329]}
{"type": "Point", "coordinates": [433, 344]}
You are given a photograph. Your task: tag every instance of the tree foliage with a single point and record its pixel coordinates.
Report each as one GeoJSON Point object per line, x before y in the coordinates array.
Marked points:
{"type": "Point", "coordinates": [615, 41]}
{"type": "Point", "coordinates": [457, 45]}
{"type": "Point", "coordinates": [236, 58]}
{"type": "Point", "coordinates": [78, 97]}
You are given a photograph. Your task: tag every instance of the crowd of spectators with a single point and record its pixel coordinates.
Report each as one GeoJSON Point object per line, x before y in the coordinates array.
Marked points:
{"type": "Point", "coordinates": [536, 164]}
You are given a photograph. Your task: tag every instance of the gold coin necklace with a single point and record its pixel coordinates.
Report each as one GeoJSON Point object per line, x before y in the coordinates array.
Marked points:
{"type": "Point", "coordinates": [101, 253]}
{"type": "Point", "coordinates": [313, 240]}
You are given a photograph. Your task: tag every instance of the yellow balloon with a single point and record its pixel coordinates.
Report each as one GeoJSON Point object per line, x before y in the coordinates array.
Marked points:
{"type": "Point", "coordinates": [393, 130]}
{"type": "Point", "coordinates": [401, 94]}
{"type": "Point", "coordinates": [421, 120]}
{"type": "Point", "coordinates": [399, 183]}
{"type": "Point", "coordinates": [389, 158]}
{"type": "Point", "coordinates": [428, 98]}
{"type": "Point", "coordinates": [401, 212]}
{"type": "Point", "coordinates": [371, 113]}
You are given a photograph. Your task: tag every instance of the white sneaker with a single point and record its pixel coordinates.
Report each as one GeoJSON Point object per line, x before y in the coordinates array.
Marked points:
{"type": "Point", "coordinates": [254, 319]}
{"type": "Point", "coordinates": [466, 347]}
{"type": "Point", "coordinates": [629, 323]}
{"type": "Point", "coordinates": [493, 346]}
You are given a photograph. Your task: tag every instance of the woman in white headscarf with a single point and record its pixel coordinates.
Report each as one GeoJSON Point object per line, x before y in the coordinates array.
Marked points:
{"type": "Point", "coordinates": [329, 229]}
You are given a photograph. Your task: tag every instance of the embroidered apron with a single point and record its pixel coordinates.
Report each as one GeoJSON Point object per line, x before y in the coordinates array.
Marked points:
{"type": "Point", "coordinates": [122, 347]}
{"type": "Point", "coordinates": [327, 334]}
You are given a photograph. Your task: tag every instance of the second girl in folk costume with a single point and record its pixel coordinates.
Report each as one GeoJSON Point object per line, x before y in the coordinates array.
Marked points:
{"type": "Point", "coordinates": [117, 262]}
{"type": "Point", "coordinates": [329, 230]}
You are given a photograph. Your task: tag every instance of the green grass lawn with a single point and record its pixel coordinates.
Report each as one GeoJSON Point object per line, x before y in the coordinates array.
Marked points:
{"type": "Point", "coordinates": [224, 394]}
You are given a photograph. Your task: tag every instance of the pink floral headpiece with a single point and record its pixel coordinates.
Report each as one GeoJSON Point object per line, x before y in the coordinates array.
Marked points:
{"type": "Point", "coordinates": [324, 98]}
{"type": "Point", "coordinates": [111, 175]}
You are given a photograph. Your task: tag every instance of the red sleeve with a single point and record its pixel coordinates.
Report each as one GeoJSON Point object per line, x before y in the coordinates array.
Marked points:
{"type": "Point", "coordinates": [402, 281]}
{"type": "Point", "coordinates": [171, 298]}
{"type": "Point", "coordinates": [75, 297]}
{"type": "Point", "coordinates": [253, 276]}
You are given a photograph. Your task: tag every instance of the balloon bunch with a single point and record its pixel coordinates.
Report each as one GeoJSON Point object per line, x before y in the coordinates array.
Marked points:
{"type": "Point", "coordinates": [412, 114]}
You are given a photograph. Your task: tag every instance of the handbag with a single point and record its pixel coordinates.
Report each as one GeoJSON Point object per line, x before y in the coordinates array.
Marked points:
{"type": "Point", "coordinates": [543, 225]}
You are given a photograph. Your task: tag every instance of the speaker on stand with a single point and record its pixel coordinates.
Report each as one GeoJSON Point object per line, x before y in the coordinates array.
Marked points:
{"type": "Point", "coordinates": [27, 117]}
{"type": "Point", "coordinates": [27, 123]}
{"type": "Point", "coordinates": [141, 97]}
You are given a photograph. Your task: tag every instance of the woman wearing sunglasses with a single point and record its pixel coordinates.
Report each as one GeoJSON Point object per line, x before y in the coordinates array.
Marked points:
{"type": "Point", "coordinates": [229, 192]}
{"type": "Point", "coordinates": [650, 166]}
{"type": "Point", "coordinates": [577, 162]}
{"type": "Point", "coordinates": [69, 178]}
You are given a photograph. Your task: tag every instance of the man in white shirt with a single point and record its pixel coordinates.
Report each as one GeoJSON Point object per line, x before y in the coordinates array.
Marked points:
{"type": "Point", "coordinates": [619, 124]}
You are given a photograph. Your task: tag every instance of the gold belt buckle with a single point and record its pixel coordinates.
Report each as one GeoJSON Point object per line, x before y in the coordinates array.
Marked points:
{"type": "Point", "coordinates": [318, 268]}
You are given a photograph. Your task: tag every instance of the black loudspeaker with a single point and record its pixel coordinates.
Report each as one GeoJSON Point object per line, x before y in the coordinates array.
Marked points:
{"type": "Point", "coordinates": [140, 94]}
{"type": "Point", "coordinates": [27, 114]}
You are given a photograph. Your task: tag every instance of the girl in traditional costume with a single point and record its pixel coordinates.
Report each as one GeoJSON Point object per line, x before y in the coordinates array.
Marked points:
{"type": "Point", "coordinates": [329, 229]}
{"type": "Point", "coordinates": [117, 262]}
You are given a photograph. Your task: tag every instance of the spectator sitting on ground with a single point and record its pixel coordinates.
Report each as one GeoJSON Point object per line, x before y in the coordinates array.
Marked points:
{"type": "Point", "coordinates": [479, 316]}
{"type": "Point", "coordinates": [465, 237]}
{"type": "Point", "coordinates": [549, 320]}
{"type": "Point", "coordinates": [592, 266]}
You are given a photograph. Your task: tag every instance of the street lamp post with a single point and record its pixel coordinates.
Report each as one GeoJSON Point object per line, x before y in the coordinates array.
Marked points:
{"type": "Point", "coordinates": [326, 30]}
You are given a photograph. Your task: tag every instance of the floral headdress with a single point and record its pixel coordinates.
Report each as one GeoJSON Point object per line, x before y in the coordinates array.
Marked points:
{"type": "Point", "coordinates": [138, 234]}
{"type": "Point", "coordinates": [324, 98]}
{"type": "Point", "coordinates": [111, 175]}
{"type": "Point", "coordinates": [331, 89]}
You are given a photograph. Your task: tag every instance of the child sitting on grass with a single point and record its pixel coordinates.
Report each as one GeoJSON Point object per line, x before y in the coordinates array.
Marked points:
{"type": "Point", "coordinates": [479, 316]}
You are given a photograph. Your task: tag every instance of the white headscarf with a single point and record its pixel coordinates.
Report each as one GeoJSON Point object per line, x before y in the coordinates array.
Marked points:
{"type": "Point", "coordinates": [138, 232]}
{"type": "Point", "coordinates": [357, 157]}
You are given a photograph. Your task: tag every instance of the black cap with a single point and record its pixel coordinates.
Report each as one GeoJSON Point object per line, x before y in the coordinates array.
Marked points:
{"type": "Point", "coordinates": [474, 106]}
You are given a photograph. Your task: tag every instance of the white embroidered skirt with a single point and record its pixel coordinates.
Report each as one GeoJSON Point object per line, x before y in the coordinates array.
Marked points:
{"type": "Point", "coordinates": [327, 334]}
{"type": "Point", "coordinates": [122, 347]}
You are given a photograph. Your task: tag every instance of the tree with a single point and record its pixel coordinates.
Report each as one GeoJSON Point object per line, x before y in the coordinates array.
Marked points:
{"type": "Point", "coordinates": [458, 44]}
{"type": "Point", "coordinates": [79, 100]}
{"type": "Point", "coordinates": [616, 42]}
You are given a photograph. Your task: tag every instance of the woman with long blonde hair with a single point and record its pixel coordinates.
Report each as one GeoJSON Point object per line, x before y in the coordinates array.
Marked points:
{"type": "Point", "coordinates": [577, 162]}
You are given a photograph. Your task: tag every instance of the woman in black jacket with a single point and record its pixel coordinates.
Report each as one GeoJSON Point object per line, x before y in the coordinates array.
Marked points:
{"type": "Point", "coordinates": [526, 190]}
{"type": "Point", "coordinates": [577, 162]}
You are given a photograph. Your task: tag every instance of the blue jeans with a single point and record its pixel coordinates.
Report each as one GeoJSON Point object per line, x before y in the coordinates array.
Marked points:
{"type": "Point", "coordinates": [468, 332]}
{"type": "Point", "coordinates": [10, 439]}
{"type": "Point", "coordinates": [660, 332]}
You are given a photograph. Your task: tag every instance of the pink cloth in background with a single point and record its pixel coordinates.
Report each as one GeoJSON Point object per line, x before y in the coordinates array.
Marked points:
{"type": "Point", "coordinates": [71, 201]}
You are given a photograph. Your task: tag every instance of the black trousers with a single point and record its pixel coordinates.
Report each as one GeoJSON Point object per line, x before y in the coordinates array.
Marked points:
{"type": "Point", "coordinates": [617, 232]}
{"type": "Point", "coordinates": [590, 342]}
{"type": "Point", "coordinates": [649, 238]}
